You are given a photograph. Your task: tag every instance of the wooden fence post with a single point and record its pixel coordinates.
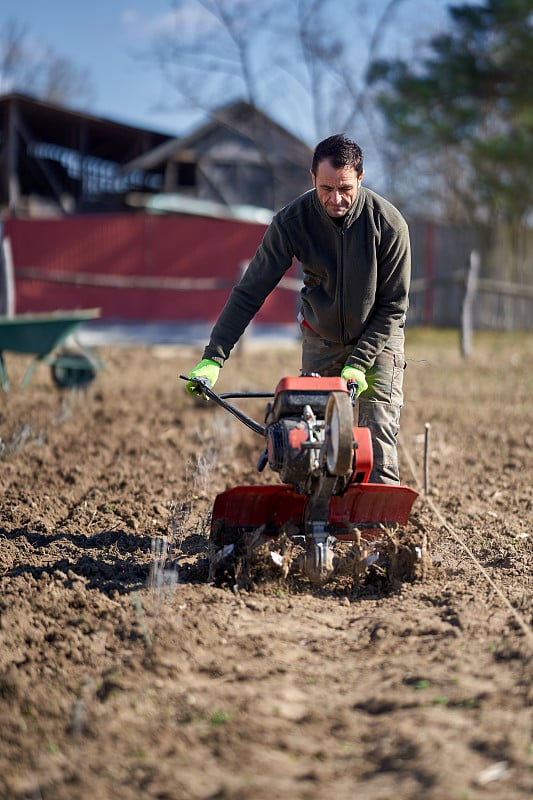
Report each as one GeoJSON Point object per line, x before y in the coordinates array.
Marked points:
{"type": "Point", "coordinates": [429, 273]}
{"type": "Point", "coordinates": [7, 277]}
{"type": "Point", "coordinates": [471, 284]}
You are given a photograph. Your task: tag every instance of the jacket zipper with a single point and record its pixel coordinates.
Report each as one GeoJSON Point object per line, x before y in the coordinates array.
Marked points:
{"type": "Point", "coordinates": [340, 278]}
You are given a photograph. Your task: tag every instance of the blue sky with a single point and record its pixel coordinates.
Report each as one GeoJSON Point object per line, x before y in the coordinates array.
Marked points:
{"type": "Point", "coordinates": [106, 37]}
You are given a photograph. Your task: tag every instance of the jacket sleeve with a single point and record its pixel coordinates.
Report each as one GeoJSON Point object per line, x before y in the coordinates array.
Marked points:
{"type": "Point", "coordinates": [392, 293]}
{"type": "Point", "coordinates": [273, 258]}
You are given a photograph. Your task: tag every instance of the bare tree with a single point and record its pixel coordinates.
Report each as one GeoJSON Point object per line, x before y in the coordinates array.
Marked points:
{"type": "Point", "coordinates": [33, 68]}
{"type": "Point", "coordinates": [302, 61]}
{"type": "Point", "coordinates": [207, 56]}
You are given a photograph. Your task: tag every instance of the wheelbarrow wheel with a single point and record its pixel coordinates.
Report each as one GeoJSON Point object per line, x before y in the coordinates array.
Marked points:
{"type": "Point", "coordinates": [72, 370]}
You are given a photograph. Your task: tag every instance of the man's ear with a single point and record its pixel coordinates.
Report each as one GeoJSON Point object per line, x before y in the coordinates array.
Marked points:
{"type": "Point", "coordinates": [313, 177]}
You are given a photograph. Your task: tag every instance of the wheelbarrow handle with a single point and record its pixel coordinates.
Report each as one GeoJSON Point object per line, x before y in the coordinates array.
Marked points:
{"type": "Point", "coordinates": [207, 391]}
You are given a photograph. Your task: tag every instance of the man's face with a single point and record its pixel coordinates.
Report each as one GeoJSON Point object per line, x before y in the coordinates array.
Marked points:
{"type": "Point", "coordinates": [336, 188]}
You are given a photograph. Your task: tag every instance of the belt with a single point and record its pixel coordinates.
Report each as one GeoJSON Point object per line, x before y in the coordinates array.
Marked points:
{"type": "Point", "coordinates": [304, 323]}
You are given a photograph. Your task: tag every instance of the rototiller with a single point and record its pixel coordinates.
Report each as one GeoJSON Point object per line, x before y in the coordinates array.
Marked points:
{"type": "Point", "coordinates": [324, 463]}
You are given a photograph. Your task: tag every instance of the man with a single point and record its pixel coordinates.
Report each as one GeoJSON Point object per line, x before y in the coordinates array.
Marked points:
{"type": "Point", "coordinates": [354, 249]}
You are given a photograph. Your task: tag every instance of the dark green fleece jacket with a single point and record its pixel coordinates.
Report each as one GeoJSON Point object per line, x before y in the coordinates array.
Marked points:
{"type": "Point", "coordinates": [356, 275]}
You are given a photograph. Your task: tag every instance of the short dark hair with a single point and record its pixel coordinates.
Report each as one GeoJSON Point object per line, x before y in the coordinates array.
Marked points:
{"type": "Point", "coordinates": [341, 151]}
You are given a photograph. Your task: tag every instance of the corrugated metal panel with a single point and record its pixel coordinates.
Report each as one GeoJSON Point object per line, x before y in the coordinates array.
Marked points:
{"type": "Point", "coordinates": [152, 251]}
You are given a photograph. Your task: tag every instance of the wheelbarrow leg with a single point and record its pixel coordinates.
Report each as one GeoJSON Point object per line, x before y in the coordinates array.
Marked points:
{"type": "Point", "coordinates": [29, 372]}
{"type": "Point", "coordinates": [3, 374]}
{"type": "Point", "coordinates": [27, 375]}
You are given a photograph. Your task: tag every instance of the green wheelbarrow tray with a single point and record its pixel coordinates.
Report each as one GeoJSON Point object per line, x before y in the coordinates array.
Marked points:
{"type": "Point", "coordinates": [41, 335]}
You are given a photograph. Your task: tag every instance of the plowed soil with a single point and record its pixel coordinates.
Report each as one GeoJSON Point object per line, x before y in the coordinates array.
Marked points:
{"type": "Point", "coordinates": [125, 674]}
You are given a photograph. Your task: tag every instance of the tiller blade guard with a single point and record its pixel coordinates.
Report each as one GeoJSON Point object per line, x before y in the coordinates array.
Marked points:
{"type": "Point", "coordinates": [367, 508]}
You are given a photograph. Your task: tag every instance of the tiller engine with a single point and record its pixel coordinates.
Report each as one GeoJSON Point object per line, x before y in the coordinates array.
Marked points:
{"type": "Point", "coordinates": [325, 464]}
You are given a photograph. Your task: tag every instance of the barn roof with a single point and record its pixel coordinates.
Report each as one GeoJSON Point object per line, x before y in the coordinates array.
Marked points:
{"type": "Point", "coordinates": [236, 132]}
{"type": "Point", "coordinates": [65, 160]}
{"type": "Point", "coordinates": [65, 127]}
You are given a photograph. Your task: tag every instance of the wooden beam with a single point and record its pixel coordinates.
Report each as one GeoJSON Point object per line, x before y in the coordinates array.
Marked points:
{"type": "Point", "coordinates": [7, 278]}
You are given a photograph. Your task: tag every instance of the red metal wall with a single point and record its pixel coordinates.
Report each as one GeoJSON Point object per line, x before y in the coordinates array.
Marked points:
{"type": "Point", "coordinates": [137, 245]}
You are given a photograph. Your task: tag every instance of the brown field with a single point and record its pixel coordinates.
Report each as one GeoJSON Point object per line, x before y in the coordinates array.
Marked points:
{"type": "Point", "coordinates": [114, 688]}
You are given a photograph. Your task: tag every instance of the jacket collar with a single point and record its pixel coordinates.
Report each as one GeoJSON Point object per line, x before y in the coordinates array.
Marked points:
{"type": "Point", "coordinates": [351, 215]}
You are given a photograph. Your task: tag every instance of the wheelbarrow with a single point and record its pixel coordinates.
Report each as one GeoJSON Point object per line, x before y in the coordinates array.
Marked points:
{"type": "Point", "coordinates": [42, 335]}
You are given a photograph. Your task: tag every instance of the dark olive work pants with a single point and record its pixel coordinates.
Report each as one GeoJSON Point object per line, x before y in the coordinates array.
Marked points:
{"type": "Point", "coordinates": [379, 406]}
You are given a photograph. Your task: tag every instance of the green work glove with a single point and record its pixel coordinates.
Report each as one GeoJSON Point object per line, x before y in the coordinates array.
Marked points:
{"type": "Point", "coordinates": [206, 369]}
{"type": "Point", "coordinates": [357, 376]}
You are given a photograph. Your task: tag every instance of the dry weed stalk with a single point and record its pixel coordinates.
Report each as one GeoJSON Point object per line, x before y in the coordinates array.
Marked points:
{"type": "Point", "coordinates": [163, 576]}
{"type": "Point", "coordinates": [87, 694]}
{"type": "Point", "coordinates": [216, 438]}
{"type": "Point", "coordinates": [205, 466]}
